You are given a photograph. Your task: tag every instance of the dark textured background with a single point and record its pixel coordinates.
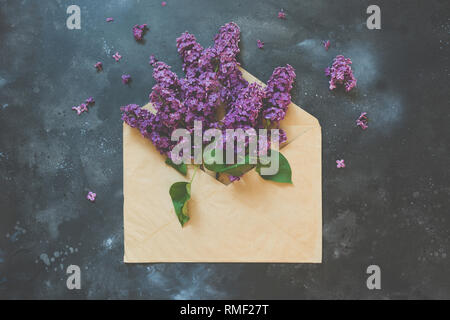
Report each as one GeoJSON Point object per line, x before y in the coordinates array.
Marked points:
{"type": "Point", "coordinates": [389, 207]}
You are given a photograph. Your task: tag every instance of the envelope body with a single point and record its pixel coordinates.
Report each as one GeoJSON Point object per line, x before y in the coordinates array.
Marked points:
{"type": "Point", "coordinates": [251, 220]}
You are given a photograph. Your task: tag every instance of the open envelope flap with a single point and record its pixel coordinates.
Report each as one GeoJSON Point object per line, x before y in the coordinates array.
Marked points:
{"type": "Point", "coordinates": [252, 220]}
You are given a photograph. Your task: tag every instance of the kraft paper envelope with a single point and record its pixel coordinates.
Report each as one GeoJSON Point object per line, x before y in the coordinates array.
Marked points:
{"type": "Point", "coordinates": [251, 220]}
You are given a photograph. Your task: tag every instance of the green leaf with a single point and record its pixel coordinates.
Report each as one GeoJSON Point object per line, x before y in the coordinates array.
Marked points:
{"type": "Point", "coordinates": [236, 170]}
{"type": "Point", "coordinates": [284, 174]}
{"type": "Point", "coordinates": [181, 168]}
{"type": "Point", "coordinates": [180, 192]}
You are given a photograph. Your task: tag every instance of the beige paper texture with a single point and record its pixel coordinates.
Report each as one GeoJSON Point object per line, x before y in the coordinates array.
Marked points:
{"type": "Point", "coordinates": [251, 220]}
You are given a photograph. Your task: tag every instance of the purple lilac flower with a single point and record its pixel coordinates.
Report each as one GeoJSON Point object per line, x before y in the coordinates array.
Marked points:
{"type": "Point", "coordinates": [91, 196]}
{"type": "Point", "coordinates": [341, 73]}
{"type": "Point", "coordinates": [245, 110]}
{"type": "Point", "coordinates": [278, 96]}
{"type": "Point", "coordinates": [226, 44]}
{"type": "Point", "coordinates": [138, 31]}
{"type": "Point", "coordinates": [149, 125]}
{"type": "Point", "coordinates": [201, 98]}
{"type": "Point", "coordinates": [190, 51]}
{"type": "Point", "coordinates": [233, 178]}
{"type": "Point", "coordinates": [227, 40]}
{"type": "Point", "coordinates": [117, 56]}
{"type": "Point", "coordinates": [260, 44]}
{"type": "Point", "coordinates": [363, 121]}
{"type": "Point", "coordinates": [213, 81]}
{"type": "Point", "coordinates": [220, 59]}
{"type": "Point", "coordinates": [281, 14]}
{"type": "Point", "coordinates": [326, 44]}
{"type": "Point", "coordinates": [166, 95]}
{"type": "Point", "coordinates": [133, 114]}
{"type": "Point", "coordinates": [164, 76]}
{"type": "Point", "coordinates": [99, 66]}
{"type": "Point", "coordinates": [84, 106]}
{"type": "Point", "coordinates": [126, 78]}
{"type": "Point", "coordinates": [90, 101]}
{"type": "Point", "coordinates": [152, 60]}
{"type": "Point", "coordinates": [109, 19]}
{"type": "Point", "coordinates": [340, 163]}
{"type": "Point", "coordinates": [80, 109]}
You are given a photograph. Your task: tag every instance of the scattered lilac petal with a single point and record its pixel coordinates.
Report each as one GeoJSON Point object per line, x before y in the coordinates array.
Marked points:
{"type": "Point", "coordinates": [91, 196]}
{"type": "Point", "coordinates": [109, 19]}
{"type": "Point", "coordinates": [99, 66]}
{"type": "Point", "coordinates": [340, 163]}
{"type": "Point", "coordinates": [260, 44]}
{"type": "Point", "coordinates": [126, 78]}
{"type": "Point", "coordinates": [281, 14]}
{"type": "Point", "coordinates": [363, 121]}
{"type": "Point", "coordinates": [117, 56]}
{"type": "Point", "coordinates": [84, 106]}
{"type": "Point", "coordinates": [326, 44]}
{"type": "Point", "coordinates": [80, 109]}
{"type": "Point", "coordinates": [163, 4]}
{"type": "Point", "coordinates": [233, 178]}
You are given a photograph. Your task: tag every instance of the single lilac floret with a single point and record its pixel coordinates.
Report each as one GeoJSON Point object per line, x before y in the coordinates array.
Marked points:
{"type": "Point", "coordinates": [99, 66]}
{"type": "Point", "coordinates": [260, 44]}
{"type": "Point", "coordinates": [91, 196]}
{"type": "Point", "coordinates": [126, 78]}
{"type": "Point", "coordinates": [340, 163]}
{"type": "Point", "coordinates": [117, 56]}
{"type": "Point", "coordinates": [90, 101]}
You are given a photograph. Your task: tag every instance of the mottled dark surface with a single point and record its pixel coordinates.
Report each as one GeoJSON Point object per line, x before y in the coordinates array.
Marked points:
{"type": "Point", "coordinates": [389, 206]}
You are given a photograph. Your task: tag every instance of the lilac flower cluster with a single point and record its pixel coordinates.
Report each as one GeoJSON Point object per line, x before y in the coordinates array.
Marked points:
{"type": "Point", "coordinates": [213, 85]}
{"type": "Point", "coordinates": [138, 31]}
{"type": "Point", "coordinates": [341, 73]}
{"type": "Point", "coordinates": [149, 125]}
{"type": "Point", "coordinates": [278, 96]}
